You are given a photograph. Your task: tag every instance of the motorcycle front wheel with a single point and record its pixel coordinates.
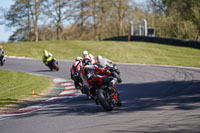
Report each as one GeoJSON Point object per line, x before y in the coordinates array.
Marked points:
{"type": "Point", "coordinates": [104, 101]}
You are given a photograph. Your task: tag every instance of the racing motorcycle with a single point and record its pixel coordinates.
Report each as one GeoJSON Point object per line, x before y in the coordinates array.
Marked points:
{"type": "Point", "coordinates": [53, 65]}
{"type": "Point", "coordinates": [103, 95]}
{"type": "Point", "coordinates": [2, 58]}
{"type": "Point", "coordinates": [99, 89]}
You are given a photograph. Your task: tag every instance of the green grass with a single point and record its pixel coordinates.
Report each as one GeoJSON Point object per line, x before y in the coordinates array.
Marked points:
{"type": "Point", "coordinates": [18, 85]}
{"type": "Point", "coordinates": [127, 52]}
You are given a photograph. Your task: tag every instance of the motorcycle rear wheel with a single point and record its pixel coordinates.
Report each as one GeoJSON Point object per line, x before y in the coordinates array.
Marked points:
{"type": "Point", "coordinates": [55, 66]}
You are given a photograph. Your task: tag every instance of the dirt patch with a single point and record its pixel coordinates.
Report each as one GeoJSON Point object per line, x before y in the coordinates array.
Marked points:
{"type": "Point", "coordinates": [30, 100]}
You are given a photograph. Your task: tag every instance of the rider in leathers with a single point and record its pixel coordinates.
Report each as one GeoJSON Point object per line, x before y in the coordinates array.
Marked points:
{"type": "Point", "coordinates": [92, 75]}
{"type": "Point", "coordinates": [47, 57]}
{"type": "Point", "coordinates": [75, 72]}
{"type": "Point", "coordinates": [102, 62]}
{"type": "Point", "coordinates": [86, 55]}
{"type": "Point", "coordinates": [2, 58]}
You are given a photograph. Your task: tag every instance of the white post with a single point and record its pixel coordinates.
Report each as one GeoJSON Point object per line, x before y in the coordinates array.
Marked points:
{"type": "Point", "coordinates": [139, 28]}
{"type": "Point", "coordinates": [132, 28]}
{"type": "Point", "coordinates": [145, 27]}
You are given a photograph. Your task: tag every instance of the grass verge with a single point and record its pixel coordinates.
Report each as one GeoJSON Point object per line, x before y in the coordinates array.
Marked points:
{"type": "Point", "coordinates": [17, 85]}
{"type": "Point", "coordinates": [127, 52]}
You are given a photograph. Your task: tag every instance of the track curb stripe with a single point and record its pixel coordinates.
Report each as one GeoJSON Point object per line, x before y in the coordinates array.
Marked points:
{"type": "Point", "coordinates": [68, 92]}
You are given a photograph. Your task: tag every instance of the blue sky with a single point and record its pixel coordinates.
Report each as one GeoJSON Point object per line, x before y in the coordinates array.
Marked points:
{"type": "Point", "coordinates": [4, 32]}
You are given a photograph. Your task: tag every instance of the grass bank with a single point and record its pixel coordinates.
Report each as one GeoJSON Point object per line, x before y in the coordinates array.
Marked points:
{"type": "Point", "coordinates": [18, 85]}
{"type": "Point", "coordinates": [127, 52]}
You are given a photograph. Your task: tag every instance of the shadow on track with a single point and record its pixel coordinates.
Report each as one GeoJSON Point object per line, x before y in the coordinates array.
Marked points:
{"type": "Point", "coordinates": [153, 96]}
{"type": "Point", "coordinates": [135, 97]}
{"type": "Point", "coordinates": [42, 71]}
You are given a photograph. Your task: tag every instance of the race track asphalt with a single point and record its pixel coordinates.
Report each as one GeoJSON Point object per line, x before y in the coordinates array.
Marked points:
{"type": "Point", "coordinates": [156, 99]}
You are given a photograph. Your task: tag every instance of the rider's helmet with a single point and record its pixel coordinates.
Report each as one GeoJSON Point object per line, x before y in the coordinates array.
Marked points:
{"type": "Point", "coordinates": [1, 47]}
{"type": "Point", "coordinates": [85, 53]}
{"type": "Point", "coordinates": [86, 61]}
{"type": "Point", "coordinates": [79, 58]}
{"type": "Point", "coordinates": [99, 58]}
{"type": "Point", "coordinates": [45, 52]}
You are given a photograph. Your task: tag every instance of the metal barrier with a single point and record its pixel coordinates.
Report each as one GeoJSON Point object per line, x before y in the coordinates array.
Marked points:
{"type": "Point", "coordinates": [166, 41]}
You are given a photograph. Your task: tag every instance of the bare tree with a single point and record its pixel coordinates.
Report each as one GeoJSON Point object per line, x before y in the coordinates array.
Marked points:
{"type": "Point", "coordinates": [104, 7]}
{"type": "Point", "coordinates": [120, 13]}
{"type": "Point", "coordinates": [24, 15]}
{"type": "Point", "coordinates": [80, 15]}
{"type": "Point", "coordinates": [35, 14]}
{"type": "Point", "coordinates": [58, 11]}
{"type": "Point", "coordinates": [18, 16]}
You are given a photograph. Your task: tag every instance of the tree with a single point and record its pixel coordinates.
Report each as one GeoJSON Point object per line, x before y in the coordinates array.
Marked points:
{"type": "Point", "coordinates": [190, 11]}
{"type": "Point", "coordinates": [104, 7]}
{"type": "Point", "coordinates": [19, 16]}
{"type": "Point", "coordinates": [79, 16]}
{"type": "Point", "coordinates": [23, 15]}
{"type": "Point", "coordinates": [99, 11]}
{"type": "Point", "coordinates": [34, 14]}
{"type": "Point", "coordinates": [119, 17]}
{"type": "Point", "coordinates": [58, 11]}
{"type": "Point", "coordinates": [161, 6]}
{"type": "Point", "coordinates": [181, 18]}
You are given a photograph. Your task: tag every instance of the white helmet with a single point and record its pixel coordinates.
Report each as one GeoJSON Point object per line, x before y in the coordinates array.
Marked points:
{"type": "Point", "coordinates": [79, 58]}
{"type": "Point", "coordinates": [99, 57]}
{"type": "Point", "coordinates": [85, 53]}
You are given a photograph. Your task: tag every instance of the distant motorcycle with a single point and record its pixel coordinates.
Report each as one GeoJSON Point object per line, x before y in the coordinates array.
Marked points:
{"type": "Point", "coordinates": [2, 58]}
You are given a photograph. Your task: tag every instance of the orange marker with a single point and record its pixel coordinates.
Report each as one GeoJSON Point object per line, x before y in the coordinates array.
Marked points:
{"type": "Point", "coordinates": [33, 92]}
